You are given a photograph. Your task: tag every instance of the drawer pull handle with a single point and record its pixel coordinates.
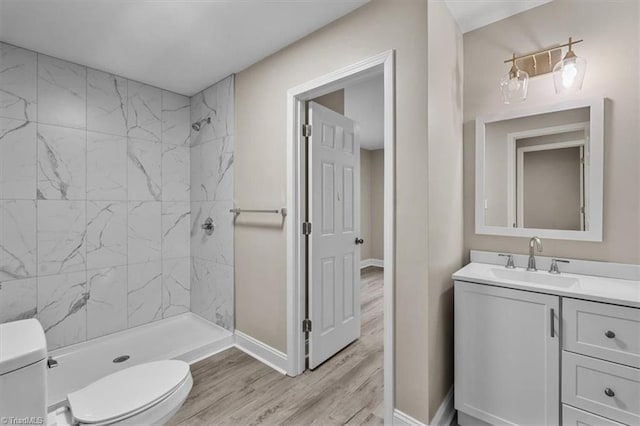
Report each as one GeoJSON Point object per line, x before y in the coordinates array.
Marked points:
{"type": "Point", "coordinates": [609, 392]}
{"type": "Point", "coordinates": [610, 334]}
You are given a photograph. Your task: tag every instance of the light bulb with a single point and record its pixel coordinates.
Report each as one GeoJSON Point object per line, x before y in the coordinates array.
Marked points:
{"type": "Point", "coordinates": [514, 84]}
{"type": "Point", "coordinates": [569, 73]}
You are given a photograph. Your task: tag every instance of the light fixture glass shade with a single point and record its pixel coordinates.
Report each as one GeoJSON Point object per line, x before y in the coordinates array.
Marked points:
{"type": "Point", "coordinates": [514, 86]}
{"type": "Point", "coordinates": [568, 74]}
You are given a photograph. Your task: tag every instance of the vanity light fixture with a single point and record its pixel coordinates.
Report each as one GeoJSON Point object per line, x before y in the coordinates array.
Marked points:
{"type": "Point", "coordinates": [568, 72]}
{"type": "Point", "coordinates": [514, 85]}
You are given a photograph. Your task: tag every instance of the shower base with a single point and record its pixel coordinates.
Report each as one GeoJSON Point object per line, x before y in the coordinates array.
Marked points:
{"type": "Point", "coordinates": [186, 337]}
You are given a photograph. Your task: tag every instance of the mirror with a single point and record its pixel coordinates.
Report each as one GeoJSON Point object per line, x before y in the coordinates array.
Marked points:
{"type": "Point", "coordinates": [539, 171]}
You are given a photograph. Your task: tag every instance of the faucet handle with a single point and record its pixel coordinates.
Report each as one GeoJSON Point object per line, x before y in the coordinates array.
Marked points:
{"type": "Point", "coordinates": [510, 264]}
{"type": "Point", "coordinates": [554, 265]}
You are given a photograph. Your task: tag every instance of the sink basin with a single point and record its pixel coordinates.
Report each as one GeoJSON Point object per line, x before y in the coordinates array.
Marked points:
{"type": "Point", "coordinates": [540, 277]}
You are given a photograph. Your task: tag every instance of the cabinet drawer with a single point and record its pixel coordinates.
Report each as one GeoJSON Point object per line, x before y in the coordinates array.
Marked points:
{"type": "Point", "coordinates": [604, 331]}
{"type": "Point", "coordinates": [600, 387]}
{"type": "Point", "coordinates": [573, 417]}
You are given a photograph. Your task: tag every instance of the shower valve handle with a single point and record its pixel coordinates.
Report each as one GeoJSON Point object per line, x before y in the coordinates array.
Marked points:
{"type": "Point", "coordinates": [208, 226]}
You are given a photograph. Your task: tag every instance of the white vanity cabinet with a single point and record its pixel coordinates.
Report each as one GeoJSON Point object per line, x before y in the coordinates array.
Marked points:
{"type": "Point", "coordinates": [532, 357]}
{"type": "Point", "coordinates": [507, 355]}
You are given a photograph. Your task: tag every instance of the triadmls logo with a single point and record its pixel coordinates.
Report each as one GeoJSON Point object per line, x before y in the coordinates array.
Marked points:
{"type": "Point", "coordinates": [22, 420]}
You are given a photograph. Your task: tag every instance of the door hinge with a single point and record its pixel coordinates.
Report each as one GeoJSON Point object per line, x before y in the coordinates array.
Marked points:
{"type": "Point", "coordinates": [306, 228]}
{"type": "Point", "coordinates": [306, 130]}
{"type": "Point", "coordinates": [306, 325]}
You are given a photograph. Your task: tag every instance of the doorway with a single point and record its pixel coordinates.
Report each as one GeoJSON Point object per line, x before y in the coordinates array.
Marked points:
{"type": "Point", "coordinates": [297, 267]}
{"type": "Point", "coordinates": [345, 200]}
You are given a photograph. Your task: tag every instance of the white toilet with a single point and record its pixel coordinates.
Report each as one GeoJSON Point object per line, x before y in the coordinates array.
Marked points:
{"type": "Point", "coordinates": [145, 394]}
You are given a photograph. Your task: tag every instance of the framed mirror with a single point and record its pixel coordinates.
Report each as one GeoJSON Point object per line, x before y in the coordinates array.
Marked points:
{"type": "Point", "coordinates": [539, 171]}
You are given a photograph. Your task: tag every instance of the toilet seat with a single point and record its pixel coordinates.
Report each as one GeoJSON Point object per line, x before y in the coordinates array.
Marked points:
{"type": "Point", "coordinates": [127, 393]}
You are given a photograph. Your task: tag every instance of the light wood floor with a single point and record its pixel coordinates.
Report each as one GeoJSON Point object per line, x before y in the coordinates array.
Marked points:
{"type": "Point", "coordinates": [232, 388]}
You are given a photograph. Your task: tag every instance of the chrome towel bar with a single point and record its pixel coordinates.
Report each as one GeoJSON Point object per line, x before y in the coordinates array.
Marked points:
{"type": "Point", "coordinates": [237, 211]}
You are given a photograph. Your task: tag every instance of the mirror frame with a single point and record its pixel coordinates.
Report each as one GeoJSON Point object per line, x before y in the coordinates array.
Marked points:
{"type": "Point", "coordinates": [595, 175]}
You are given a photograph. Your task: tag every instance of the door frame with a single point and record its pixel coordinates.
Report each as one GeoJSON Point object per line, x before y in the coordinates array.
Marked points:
{"type": "Point", "coordinates": [383, 63]}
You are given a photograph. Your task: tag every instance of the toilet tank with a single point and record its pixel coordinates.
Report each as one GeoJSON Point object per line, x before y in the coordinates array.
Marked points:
{"type": "Point", "coordinates": [23, 373]}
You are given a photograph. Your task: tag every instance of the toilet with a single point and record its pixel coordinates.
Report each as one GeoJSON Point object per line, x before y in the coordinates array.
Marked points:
{"type": "Point", "coordinates": [145, 394]}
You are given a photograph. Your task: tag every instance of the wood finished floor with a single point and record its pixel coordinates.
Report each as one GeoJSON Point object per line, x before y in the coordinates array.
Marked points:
{"type": "Point", "coordinates": [232, 388]}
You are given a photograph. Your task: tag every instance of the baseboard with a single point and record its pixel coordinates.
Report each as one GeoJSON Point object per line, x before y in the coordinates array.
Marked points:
{"type": "Point", "coordinates": [445, 414]}
{"type": "Point", "coordinates": [365, 263]}
{"type": "Point", "coordinates": [443, 417]}
{"type": "Point", "coordinates": [402, 419]}
{"type": "Point", "coordinates": [262, 352]}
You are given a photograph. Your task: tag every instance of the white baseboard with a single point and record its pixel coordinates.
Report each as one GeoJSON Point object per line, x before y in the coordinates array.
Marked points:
{"type": "Point", "coordinates": [443, 417]}
{"type": "Point", "coordinates": [262, 352]}
{"type": "Point", "coordinates": [402, 419]}
{"type": "Point", "coordinates": [365, 263]}
{"type": "Point", "coordinates": [446, 412]}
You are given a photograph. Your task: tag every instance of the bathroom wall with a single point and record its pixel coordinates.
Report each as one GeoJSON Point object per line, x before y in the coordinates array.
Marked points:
{"type": "Point", "coordinates": [445, 208]}
{"type": "Point", "coordinates": [212, 275]}
{"type": "Point", "coordinates": [611, 49]}
{"type": "Point", "coordinates": [261, 178]}
{"type": "Point", "coordinates": [94, 198]}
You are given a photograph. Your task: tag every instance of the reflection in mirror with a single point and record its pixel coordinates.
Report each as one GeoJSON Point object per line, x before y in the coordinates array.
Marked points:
{"type": "Point", "coordinates": [536, 172]}
{"type": "Point", "coordinates": [550, 183]}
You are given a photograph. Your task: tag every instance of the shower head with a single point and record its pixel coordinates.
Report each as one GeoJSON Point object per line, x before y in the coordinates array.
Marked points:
{"type": "Point", "coordinates": [198, 124]}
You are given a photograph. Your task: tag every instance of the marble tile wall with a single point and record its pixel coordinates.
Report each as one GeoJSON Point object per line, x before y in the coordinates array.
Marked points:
{"type": "Point", "coordinates": [95, 206]}
{"type": "Point", "coordinates": [212, 288]}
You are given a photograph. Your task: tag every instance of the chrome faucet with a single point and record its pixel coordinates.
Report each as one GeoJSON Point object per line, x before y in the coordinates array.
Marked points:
{"type": "Point", "coordinates": [510, 264]}
{"type": "Point", "coordinates": [554, 266]}
{"type": "Point", "coordinates": [533, 242]}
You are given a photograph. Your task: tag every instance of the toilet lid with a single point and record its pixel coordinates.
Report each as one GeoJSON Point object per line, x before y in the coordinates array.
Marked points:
{"type": "Point", "coordinates": [127, 392]}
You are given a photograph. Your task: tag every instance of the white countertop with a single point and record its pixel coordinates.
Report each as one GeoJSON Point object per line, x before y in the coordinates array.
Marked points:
{"type": "Point", "coordinates": [599, 289]}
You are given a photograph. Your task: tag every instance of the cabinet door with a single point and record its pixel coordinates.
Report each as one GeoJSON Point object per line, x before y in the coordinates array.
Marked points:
{"type": "Point", "coordinates": [507, 355]}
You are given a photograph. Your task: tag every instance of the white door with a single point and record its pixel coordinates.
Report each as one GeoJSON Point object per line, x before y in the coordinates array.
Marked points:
{"type": "Point", "coordinates": [334, 243]}
{"type": "Point", "coordinates": [507, 355]}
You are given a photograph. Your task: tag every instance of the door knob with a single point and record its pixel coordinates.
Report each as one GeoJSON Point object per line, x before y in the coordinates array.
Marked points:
{"type": "Point", "coordinates": [610, 334]}
{"type": "Point", "coordinates": [359, 241]}
{"type": "Point", "coordinates": [609, 392]}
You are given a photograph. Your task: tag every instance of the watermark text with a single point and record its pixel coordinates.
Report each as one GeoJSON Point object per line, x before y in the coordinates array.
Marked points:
{"type": "Point", "coordinates": [22, 420]}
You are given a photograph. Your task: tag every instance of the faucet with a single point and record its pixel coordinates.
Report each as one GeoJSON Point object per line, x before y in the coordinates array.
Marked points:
{"type": "Point", "coordinates": [537, 243]}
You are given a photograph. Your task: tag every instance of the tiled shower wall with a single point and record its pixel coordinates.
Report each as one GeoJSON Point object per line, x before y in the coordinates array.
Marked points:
{"type": "Point", "coordinates": [95, 200]}
{"type": "Point", "coordinates": [212, 196]}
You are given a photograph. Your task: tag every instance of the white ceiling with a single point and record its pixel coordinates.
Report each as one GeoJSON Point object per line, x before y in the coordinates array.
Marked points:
{"type": "Point", "coordinates": [364, 103]}
{"type": "Point", "coordinates": [178, 45]}
{"type": "Point", "coordinates": [473, 14]}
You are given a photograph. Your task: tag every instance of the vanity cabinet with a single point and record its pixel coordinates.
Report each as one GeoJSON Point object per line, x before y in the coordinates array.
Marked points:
{"type": "Point", "coordinates": [507, 355]}
{"type": "Point", "coordinates": [513, 366]}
